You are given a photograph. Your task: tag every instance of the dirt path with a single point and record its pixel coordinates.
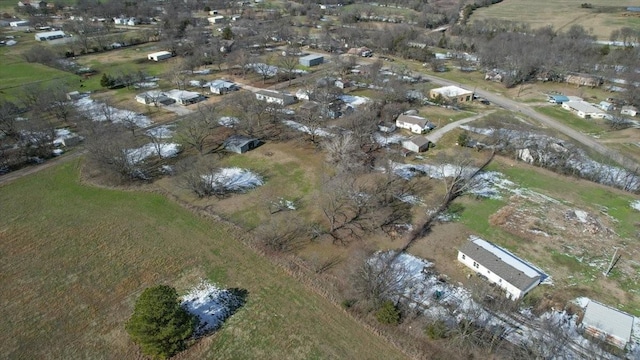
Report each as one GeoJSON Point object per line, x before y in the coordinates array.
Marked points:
{"type": "Point", "coordinates": [436, 135]}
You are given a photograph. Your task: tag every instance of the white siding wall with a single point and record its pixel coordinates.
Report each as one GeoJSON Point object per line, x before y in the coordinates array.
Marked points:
{"type": "Point", "coordinates": [510, 289]}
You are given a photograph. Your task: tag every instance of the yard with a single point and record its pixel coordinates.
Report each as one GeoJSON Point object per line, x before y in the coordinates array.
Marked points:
{"type": "Point", "coordinates": [76, 257]}
{"type": "Point", "coordinates": [602, 19]}
{"type": "Point", "coordinates": [594, 127]}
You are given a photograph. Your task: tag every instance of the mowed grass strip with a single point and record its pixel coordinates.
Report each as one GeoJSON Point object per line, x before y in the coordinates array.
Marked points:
{"type": "Point", "coordinates": [75, 258]}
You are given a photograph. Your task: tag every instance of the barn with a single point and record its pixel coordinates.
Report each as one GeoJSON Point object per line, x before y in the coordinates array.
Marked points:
{"type": "Point", "coordinates": [240, 144]}
{"type": "Point", "coordinates": [311, 60]}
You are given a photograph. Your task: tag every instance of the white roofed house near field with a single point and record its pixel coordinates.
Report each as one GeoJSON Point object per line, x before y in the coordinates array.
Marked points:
{"type": "Point", "coordinates": [500, 267]}
{"type": "Point", "coordinates": [452, 93]}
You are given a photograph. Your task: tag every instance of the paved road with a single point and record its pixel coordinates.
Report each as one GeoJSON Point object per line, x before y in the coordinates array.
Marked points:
{"type": "Point", "coordinates": [552, 123]}
{"type": "Point", "coordinates": [437, 134]}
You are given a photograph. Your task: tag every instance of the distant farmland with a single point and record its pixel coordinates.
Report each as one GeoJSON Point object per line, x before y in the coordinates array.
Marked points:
{"type": "Point", "coordinates": [604, 16]}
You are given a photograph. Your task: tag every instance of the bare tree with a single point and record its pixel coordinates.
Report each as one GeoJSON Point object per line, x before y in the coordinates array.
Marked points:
{"type": "Point", "coordinates": [344, 153]}
{"type": "Point", "coordinates": [282, 233]}
{"type": "Point", "coordinates": [289, 60]}
{"type": "Point", "coordinates": [197, 130]}
{"type": "Point", "coordinates": [8, 113]}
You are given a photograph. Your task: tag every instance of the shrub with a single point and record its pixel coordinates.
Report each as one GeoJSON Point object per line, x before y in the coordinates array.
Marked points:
{"type": "Point", "coordinates": [348, 303]}
{"type": "Point", "coordinates": [388, 313]}
{"type": "Point", "coordinates": [436, 330]}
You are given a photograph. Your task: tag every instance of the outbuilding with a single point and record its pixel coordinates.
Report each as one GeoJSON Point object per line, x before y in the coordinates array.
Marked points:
{"type": "Point", "coordinates": [629, 110]}
{"type": "Point", "coordinates": [19, 23]}
{"type": "Point", "coordinates": [417, 144]}
{"type": "Point", "coordinates": [159, 56]}
{"type": "Point", "coordinates": [222, 87]}
{"type": "Point", "coordinates": [184, 97]}
{"type": "Point", "coordinates": [608, 324]}
{"type": "Point", "coordinates": [240, 144]}
{"type": "Point", "coordinates": [311, 60]}
{"type": "Point", "coordinates": [50, 35]}
{"type": "Point", "coordinates": [558, 99]}
{"type": "Point", "coordinates": [452, 93]}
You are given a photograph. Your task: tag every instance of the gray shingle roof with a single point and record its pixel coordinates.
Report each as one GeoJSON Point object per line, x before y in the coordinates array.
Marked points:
{"type": "Point", "coordinates": [498, 265]}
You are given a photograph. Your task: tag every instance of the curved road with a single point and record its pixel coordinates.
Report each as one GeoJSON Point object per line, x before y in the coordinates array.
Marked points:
{"type": "Point", "coordinates": [515, 106]}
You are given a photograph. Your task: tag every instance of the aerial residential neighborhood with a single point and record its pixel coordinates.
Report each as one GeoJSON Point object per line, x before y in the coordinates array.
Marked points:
{"type": "Point", "coordinates": [275, 179]}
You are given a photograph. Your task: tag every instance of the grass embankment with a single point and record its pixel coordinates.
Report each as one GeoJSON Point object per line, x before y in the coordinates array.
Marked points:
{"type": "Point", "coordinates": [75, 257]}
{"type": "Point", "coordinates": [587, 126]}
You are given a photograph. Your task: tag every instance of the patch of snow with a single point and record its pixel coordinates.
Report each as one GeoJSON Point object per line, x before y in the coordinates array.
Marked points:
{"type": "Point", "coordinates": [195, 83]}
{"type": "Point", "coordinates": [354, 100]}
{"type": "Point", "coordinates": [263, 69]}
{"type": "Point", "coordinates": [582, 216]}
{"type": "Point", "coordinates": [385, 140]}
{"type": "Point", "coordinates": [145, 85]}
{"type": "Point", "coordinates": [410, 199]}
{"type": "Point", "coordinates": [161, 132]}
{"type": "Point", "coordinates": [234, 179]}
{"type": "Point", "coordinates": [211, 305]}
{"type": "Point", "coordinates": [57, 152]}
{"type": "Point", "coordinates": [228, 121]}
{"type": "Point", "coordinates": [138, 155]}
{"type": "Point", "coordinates": [98, 111]}
{"type": "Point", "coordinates": [306, 129]}
{"type": "Point", "coordinates": [203, 72]}
{"type": "Point", "coordinates": [635, 205]}
{"type": "Point", "coordinates": [582, 302]}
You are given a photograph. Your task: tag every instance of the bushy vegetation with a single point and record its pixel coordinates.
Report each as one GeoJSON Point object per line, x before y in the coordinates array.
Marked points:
{"type": "Point", "coordinates": [388, 313]}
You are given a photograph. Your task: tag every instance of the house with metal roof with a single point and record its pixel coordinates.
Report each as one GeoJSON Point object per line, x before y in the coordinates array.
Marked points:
{"type": "Point", "coordinates": [609, 324]}
{"type": "Point", "coordinates": [275, 97]}
{"type": "Point", "coordinates": [417, 144]}
{"type": "Point", "coordinates": [584, 110]}
{"type": "Point", "coordinates": [501, 267]}
{"type": "Point", "coordinates": [222, 87]}
{"type": "Point", "coordinates": [240, 144]}
{"type": "Point", "coordinates": [558, 99]}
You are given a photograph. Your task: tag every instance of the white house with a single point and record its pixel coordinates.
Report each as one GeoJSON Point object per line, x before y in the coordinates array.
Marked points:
{"type": "Point", "coordinates": [50, 35]}
{"type": "Point", "coordinates": [414, 123]}
{"type": "Point", "coordinates": [606, 323]}
{"type": "Point", "coordinates": [500, 267]}
{"type": "Point", "coordinates": [275, 97]}
{"type": "Point", "coordinates": [584, 110]}
{"type": "Point", "coordinates": [222, 87]}
{"type": "Point", "coordinates": [160, 55]}
{"type": "Point", "coordinates": [417, 144]}
{"type": "Point", "coordinates": [184, 97]}
{"type": "Point", "coordinates": [218, 19]}
{"type": "Point", "coordinates": [629, 110]}
{"type": "Point", "coordinates": [19, 23]}
{"type": "Point", "coordinates": [154, 97]}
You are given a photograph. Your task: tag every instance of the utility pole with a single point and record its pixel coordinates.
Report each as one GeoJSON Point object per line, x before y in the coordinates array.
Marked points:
{"type": "Point", "coordinates": [613, 262]}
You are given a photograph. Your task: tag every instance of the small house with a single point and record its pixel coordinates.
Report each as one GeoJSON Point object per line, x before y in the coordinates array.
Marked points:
{"type": "Point", "coordinates": [240, 144]}
{"type": "Point", "coordinates": [218, 19]}
{"type": "Point", "coordinates": [417, 144]}
{"type": "Point", "coordinates": [311, 60]}
{"type": "Point", "coordinates": [154, 97]}
{"type": "Point", "coordinates": [159, 56]}
{"type": "Point", "coordinates": [416, 124]}
{"type": "Point", "coordinates": [222, 87]}
{"type": "Point", "coordinates": [499, 267]}
{"type": "Point", "coordinates": [386, 127]}
{"type": "Point", "coordinates": [275, 97]}
{"type": "Point", "coordinates": [583, 80]}
{"type": "Point", "coordinates": [18, 23]}
{"type": "Point", "coordinates": [558, 99]}
{"type": "Point", "coordinates": [50, 35]}
{"type": "Point", "coordinates": [608, 324]}
{"type": "Point", "coordinates": [629, 110]}
{"type": "Point", "coordinates": [584, 110]}
{"type": "Point", "coordinates": [606, 106]}
{"type": "Point", "coordinates": [184, 97]}
{"type": "Point", "coordinates": [452, 93]}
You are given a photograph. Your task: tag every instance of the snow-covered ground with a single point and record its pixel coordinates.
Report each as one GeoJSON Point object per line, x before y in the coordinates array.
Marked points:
{"type": "Point", "coordinates": [228, 121]}
{"type": "Point", "coordinates": [421, 289]}
{"type": "Point", "coordinates": [354, 100]}
{"type": "Point", "coordinates": [138, 155]}
{"type": "Point", "coordinates": [146, 85]}
{"type": "Point", "coordinates": [635, 205]}
{"type": "Point", "coordinates": [234, 179]}
{"type": "Point", "coordinates": [385, 140]}
{"type": "Point", "coordinates": [61, 135]}
{"type": "Point", "coordinates": [211, 305]}
{"type": "Point", "coordinates": [317, 132]}
{"type": "Point", "coordinates": [263, 69]}
{"type": "Point", "coordinates": [550, 152]}
{"type": "Point", "coordinates": [98, 111]}
{"type": "Point", "coordinates": [161, 132]}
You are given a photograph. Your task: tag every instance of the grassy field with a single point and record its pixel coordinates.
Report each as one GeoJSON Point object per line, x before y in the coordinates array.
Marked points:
{"type": "Point", "coordinates": [75, 257]}
{"type": "Point", "coordinates": [587, 126]}
{"type": "Point", "coordinates": [601, 20]}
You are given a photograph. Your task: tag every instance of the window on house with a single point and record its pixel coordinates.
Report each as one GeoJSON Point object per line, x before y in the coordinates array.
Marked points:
{"type": "Point", "coordinates": [464, 256]}
{"type": "Point", "coordinates": [475, 265]}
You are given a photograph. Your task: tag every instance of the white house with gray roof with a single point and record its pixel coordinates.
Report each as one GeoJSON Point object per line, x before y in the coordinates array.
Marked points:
{"type": "Point", "coordinates": [416, 124]}
{"type": "Point", "coordinates": [500, 267]}
{"type": "Point", "coordinates": [609, 324]}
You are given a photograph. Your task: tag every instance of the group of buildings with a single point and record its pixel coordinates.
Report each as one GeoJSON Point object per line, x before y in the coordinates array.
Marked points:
{"type": "Point", "coordinates": [587, 110]}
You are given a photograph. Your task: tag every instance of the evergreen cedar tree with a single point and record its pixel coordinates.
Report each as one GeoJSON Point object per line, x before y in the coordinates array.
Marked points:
{"type": "Point", "coordinates": [159, 325]}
